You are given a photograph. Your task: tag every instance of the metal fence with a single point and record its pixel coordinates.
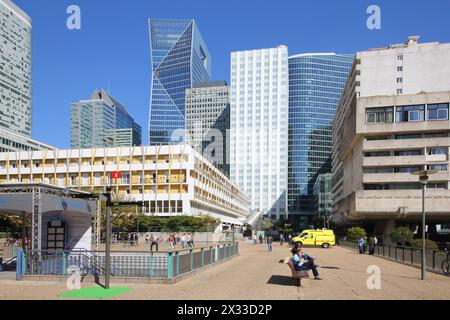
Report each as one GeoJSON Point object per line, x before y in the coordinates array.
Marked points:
{"type": "Point", "coordinates": [407, 255]}
{"type": "Point", "coordinates": [154, 264]}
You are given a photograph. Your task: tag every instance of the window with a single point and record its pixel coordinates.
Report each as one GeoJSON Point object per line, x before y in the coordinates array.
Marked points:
{"type": "Point", "coordinates": [437, 150]}
{"type": "Point", "coordinates": [438, 111]}
{"type": "Point", "coordinates": [399, 68]}
{"type": "Point", "coordinates": [400, 57]}
{"type": "Point", "coordinates": [439, 185]}
{"type": "Point", "coordinates": [407, 169]}
{"type": "Point", "coordinates": [410, 113]}
{"type": "Point", "coordinates": [408, 153]}
{"type": "Point", "coordinates": [438, 167]}
{"type": "Point", "coordinates": [378, 154]}
{"type": "Point", "coordinates": [399, 80]}
{"type": "Point", "coordinates": [380, 115]}
{"type": "Point", "coordinates": [399, 91]}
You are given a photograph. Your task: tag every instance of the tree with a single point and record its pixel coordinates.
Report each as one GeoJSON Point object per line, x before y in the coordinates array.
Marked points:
{"type": "Point", "coordinates": [355, 233]}
{"type": "Point", "coordinates": [402, 235]}
{"type": "Point", "coordinates": [266, 224]}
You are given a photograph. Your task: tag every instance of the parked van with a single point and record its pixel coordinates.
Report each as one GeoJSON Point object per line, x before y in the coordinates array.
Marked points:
{"type": "Point", "coordinates": [316, 237]}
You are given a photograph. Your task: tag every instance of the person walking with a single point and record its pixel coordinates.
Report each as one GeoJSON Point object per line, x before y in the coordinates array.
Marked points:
{"type": "Point", "coordinates": [290, 239]}
{"type": "Point", "coordinates": [153, 242]}
{"type": "Point", "coordinates": [281, 239]}
{"type": "Point", "coordinates": [269, 243]}
{"type": "Point", "coordinates": [361, 245]}
{"type": "Point", "coordinates": [371, 245]}
{"type": "Point", "coordinates": [183, 240]}
{"type": "Point", "coordinates": [260, 239]}
{"type": "Point", "coordinates": [255, 240]}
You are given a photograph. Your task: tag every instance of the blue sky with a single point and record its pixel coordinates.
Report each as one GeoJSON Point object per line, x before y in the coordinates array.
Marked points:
{"type": "Point", "coordinates": [113, 43]}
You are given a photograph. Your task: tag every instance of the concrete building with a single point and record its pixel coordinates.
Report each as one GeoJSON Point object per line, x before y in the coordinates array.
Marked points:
{"type": "Point", "coordinates": [393, 120]}
{"type": "Point", "coordinates": [208, 121]}
{"type": "Point", "coordinates": [15, 69]}
{"type": "Point", "coordinates": [170, 180]}
{"type": "Point", "coordinates": [259, 127]}
{"type": "Point", "coordinates": [10, 141]}
{"type": "Point", "coordinates": [102, 121]}
{"type": "Point", "coordinates": [316, 83]}
{"type": "Point", "coordinates": [179, 60]}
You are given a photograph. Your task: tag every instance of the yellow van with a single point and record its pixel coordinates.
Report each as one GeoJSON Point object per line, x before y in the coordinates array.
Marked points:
{"type": "Point", "coordinates": [316, 237]}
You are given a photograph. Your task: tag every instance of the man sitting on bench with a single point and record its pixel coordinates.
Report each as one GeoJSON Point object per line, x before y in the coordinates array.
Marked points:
{"type": "Point", "coordinates": [302, 261]}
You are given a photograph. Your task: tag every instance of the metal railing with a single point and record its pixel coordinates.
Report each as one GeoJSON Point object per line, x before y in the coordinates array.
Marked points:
{"type": "Point", "coordinates": [155, 264]}
{"type": "Point", "coordinates": [406, 255]}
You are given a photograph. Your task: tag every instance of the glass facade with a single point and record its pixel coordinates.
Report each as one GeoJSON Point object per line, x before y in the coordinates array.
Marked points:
{"type": "Point", "coordinates": [15, 66]}
{"type": "Point", "coordinates": [179, 59]}
{"type": "Point", "coordinates": [102, 121]}
{"type": "Point", "coordinates": [316, 82]}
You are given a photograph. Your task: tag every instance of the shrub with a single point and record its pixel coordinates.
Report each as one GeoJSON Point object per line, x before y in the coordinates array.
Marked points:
{"type": "Point", "coordinates": [355, 233]}
{"type": "Point", "coordinates": [402, 235]}
{"type": "Point", "coordinates": [429, 244]}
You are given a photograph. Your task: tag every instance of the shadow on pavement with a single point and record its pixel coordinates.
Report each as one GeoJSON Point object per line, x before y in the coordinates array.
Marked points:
{"type": "Point", "coordinates": [282, 281]}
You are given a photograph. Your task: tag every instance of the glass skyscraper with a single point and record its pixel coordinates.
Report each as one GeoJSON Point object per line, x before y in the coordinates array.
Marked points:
{"type": "Point", "coordinates": [179, 59]}
{"type": "Point", "coordinates": [102, 121]}
{"type": "Point", "coordinates": [316, 82]}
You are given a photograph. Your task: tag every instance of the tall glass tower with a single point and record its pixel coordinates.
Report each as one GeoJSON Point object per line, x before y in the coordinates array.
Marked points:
{"type": "Point", "coordinates": [316, 83]}
{"type": "Point", "coordinates": [179, 59]}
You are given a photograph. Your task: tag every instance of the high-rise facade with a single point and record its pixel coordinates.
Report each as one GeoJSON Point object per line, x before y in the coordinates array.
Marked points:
{"type": "Point", "coordinates": [102, 121]}
{"type": "Point", "coordinates": [15, 69]}
{"type": "Point", "coordinates": [179, 60]}
{"type": "Point", "coordinates": [259, 127]}
{"type": "Point", "coordinates": [392, 121]}
{"type": "Point", "coordinates": [208, 121]}
{"type": "Point", "coordinates": [316, 82]}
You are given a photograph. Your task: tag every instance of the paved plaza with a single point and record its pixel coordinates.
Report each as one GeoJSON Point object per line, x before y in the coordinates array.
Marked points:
{"type": "Point", "coordinates": [257, 274]}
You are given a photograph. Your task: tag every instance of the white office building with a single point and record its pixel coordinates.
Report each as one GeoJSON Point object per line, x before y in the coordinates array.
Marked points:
{"type": "Point", "coordinates": [15, 69]}
{"type": "Point", "coordinates": [259, 127]}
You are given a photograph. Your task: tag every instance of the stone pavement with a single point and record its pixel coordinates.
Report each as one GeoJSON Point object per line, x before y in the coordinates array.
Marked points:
{"type": "Point", "coordinates": [256, 274]}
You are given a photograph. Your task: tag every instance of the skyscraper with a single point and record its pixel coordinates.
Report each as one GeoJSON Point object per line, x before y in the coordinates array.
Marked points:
{"type": "Point", "coordinates": [15, 69]}
{"type": "Point", "coordinates": [179, 59]}
{"type": "Point", "coordinates": [316, 82]}
{"type": "Point", "coordinates": [259, 126]}
{"type": "Point", "coordinates": [102, 121]}
{"type": "Point", "coordinates": [208, 121]}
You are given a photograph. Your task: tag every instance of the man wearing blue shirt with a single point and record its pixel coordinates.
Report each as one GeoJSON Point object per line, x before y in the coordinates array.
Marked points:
{"type": "Point", "coordinates": [303, 261]}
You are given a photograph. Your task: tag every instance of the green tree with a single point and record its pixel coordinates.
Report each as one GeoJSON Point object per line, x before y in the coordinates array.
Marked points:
{"type": "Point", "coordinates": [355, 233]}
{"type": "Point", "coordinates": [402, 235]}
{"type": "Point", "coordinates": [266, 224]}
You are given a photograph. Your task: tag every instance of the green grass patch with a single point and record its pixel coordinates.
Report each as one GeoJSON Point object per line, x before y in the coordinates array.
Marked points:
{"type": "Point", "coordinates": [94, 293]}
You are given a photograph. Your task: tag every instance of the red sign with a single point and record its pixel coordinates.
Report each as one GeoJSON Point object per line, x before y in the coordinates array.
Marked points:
{"type": "Point", "coordinates": [115, 175]}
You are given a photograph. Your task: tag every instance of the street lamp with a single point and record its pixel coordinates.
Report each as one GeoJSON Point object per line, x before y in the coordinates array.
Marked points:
{"type": "Point", "coordinates": [423, 178]}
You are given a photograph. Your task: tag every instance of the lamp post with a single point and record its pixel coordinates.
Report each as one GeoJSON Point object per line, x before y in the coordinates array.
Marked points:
{"type": "Point", "coordinates": [423, 178]}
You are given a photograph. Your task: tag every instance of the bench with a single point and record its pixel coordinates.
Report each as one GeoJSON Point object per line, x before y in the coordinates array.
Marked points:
{"type": "Point", "coordinates": [297, 275]}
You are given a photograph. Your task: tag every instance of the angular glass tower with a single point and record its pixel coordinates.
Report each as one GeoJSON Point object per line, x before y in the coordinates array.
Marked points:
{"type": "Point", "coordinates": [316, 83]}
{"type": "Point", "coordinates": [179, 59]}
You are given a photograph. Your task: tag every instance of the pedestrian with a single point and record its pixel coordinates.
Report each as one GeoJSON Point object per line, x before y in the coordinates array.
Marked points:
{"type": "Point", "coordinates": [191, 240]}
{"type": "Point", "coordinates": [260, 239]}
{"type": "Point", "coordinates": [183, 240]}
{"type": "Point", "coordinates": [269, 243]}
{"type": "Point", "coordinates": [147, 238]}
{"type": "Point", "coordinates": [171, 241]}
{"type": "Point", "coordinates": [361, 245]}
{"type": "Point", "coordinates": [281, 239]}
{"type": "Point", "coordinates": [371, 245]}
{"type": "Point", "coordinates": [290, 239]}
{"type": "Point", "coordinates": [255, 240]}
{"type": "Point", "coordinates": [153, 242]}
{"type": "Point", "coordinates": [136, 239]}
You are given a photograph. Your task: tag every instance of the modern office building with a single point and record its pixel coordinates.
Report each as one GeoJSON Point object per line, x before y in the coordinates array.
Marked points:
{"type": "Point", "coordinates": [102, 121]}
{"type": "Point", "coordinates": [208, 121]}
{"type": "Point", "coordinates": [11, 141]}
{"type": "Point", "coordinates": [171, 180]}
{"type": "Point", "coordinates": [393, 120]}
{"type": "Point", "coordinates": [15, 69]}
{"type": "Point", "coordinates": [323, 201]}
{"type": "Point", "coordinates": [316, 82]}
{"type": "Point", "coordinates": [259, 127]}
{"type": "Point", "coordinates": [179, 60]}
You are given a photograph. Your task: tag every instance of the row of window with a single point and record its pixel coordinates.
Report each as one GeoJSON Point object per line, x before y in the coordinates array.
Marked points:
{"type": "Point", "coordinates": [411, 113]}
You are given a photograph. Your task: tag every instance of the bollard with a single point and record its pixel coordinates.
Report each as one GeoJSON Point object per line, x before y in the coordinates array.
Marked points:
{"type": "Point", "coordinates": [191, 253]}
{"type": "Point", "coordinates": [177, 261]}
{"type": "Point", "coordinates": [170, 265]}
{"type": "Point", "coordinates": [203, 257]}
{"type": "Point", "coordinates": [210, 255]}
{"type": "Point", "coordinates": [19, 267]}
{"type": "Point", "coordinates": [151, 264]}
